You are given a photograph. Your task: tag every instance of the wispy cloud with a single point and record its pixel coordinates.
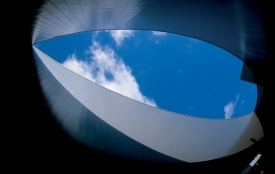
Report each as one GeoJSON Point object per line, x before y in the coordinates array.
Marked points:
{"type": "Point", "coordinates": [230, 107]}
{"type": "Point", "coordinates": [80, 67]}
{"type": "Point", "coordinates": [192, 41]}
{"type": "Point", "coordinates": [108, 70]}
{"type": "Point", "coordinates": [158, 33]}
{"type": "Point", "coordinates": [120, 35]}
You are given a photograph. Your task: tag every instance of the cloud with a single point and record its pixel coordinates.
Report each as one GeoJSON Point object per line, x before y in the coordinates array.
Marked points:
{"type": "Point", "coordinates": [230, 107]}
{"type": "Point", "coordinates": [158, 33]}
{"type": "Point", "coordinates": [80, 67]}
{"type": "Point", "coordinates": [120, 35]}
{"type": "Point", "coordinates": [109, 71]}
{"type": "Point", "coordinates": [192, 41]}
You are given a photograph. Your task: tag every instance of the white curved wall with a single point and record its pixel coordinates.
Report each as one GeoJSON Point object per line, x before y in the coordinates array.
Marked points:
{"type": "Point", "coordinates": [185, 138]}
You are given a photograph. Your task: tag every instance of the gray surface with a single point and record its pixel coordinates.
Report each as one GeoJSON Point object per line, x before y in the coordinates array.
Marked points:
{"type": "Point", "coordinates": [83, 125]}
{"type": "Point", "coordinates": [182, 137]}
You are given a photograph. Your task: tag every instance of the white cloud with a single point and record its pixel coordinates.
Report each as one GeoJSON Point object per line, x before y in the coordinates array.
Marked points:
{"type": "Point", "coordinates": [158, 33]}
{"type": "Point", "coordinates": [192, 41]}
{"type": "Point", "coordinates": [230, 107]}
{"type": "Point", "coordinates": [108, 70]}
{"type": "Point", "coordinates": [80, 67]}
{"type": "Point", "coordinates": [120, 35]}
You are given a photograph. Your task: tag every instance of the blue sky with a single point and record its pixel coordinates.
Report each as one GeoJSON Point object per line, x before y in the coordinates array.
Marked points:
{"type": "Point", "coordinates": [168, 71]}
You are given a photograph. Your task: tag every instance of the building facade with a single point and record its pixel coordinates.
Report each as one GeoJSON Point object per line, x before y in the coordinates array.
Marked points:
{"type": "Point", "coordinates": [107, 121]}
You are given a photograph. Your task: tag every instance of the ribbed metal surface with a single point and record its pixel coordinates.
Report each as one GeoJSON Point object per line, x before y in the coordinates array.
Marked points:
{"type": "Point", "coordinates": [235, 26]}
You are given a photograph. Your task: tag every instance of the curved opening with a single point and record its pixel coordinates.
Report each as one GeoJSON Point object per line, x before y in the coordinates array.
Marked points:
{"type": "Point", "coordinates": [210, 138]}
{"type": "Point", "coordinates": [169, 71]}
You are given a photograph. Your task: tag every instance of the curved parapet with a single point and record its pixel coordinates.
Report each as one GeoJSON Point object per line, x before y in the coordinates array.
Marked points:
{"type": "Point", "coordinates": [108, 121]}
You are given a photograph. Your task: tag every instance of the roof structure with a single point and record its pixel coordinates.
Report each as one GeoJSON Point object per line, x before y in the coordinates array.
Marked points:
{"type": "Point", "coordinates": [238, 27]}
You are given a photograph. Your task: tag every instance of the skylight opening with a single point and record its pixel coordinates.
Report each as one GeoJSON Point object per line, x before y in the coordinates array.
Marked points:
{"type": "Point", "coordinates": [164, 70]}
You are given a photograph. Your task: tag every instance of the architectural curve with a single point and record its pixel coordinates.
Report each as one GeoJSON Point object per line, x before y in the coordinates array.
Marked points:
{"type": "Point", "coordinates": [177, 136]}
{"type": "Point", "coordinates": [168, 136]}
